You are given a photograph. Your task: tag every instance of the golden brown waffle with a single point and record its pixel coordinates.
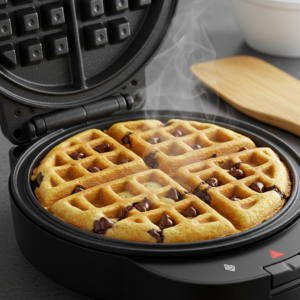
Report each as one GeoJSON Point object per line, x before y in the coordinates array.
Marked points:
{"type": "Point", "coordinates": [85, 209]}
{"type": "Point", "coordinates": [172, 152]}
{"type": "Point", "coordinates": [258, 165]}
{"type": "Point", "coordinates": [232, 188]}
{"type": "Point", "coordinates": [58, 174]}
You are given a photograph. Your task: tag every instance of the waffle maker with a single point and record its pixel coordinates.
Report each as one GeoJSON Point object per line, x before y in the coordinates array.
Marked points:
{"type": "Point", "coordinates": [67, 66]}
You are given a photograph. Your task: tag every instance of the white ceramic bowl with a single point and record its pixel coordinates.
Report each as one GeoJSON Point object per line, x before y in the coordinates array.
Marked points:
{"type": "Point", "coordinates": [270, 26]}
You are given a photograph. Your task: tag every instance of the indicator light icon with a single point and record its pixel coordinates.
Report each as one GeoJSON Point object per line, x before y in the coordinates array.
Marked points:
{"type": "Point", "coordinates": [276, 254]}
{"type": "Point", "coordinates": [229, 268]}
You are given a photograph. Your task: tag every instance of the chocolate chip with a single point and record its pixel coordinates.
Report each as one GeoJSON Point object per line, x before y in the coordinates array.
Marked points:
{"type": "Point", "coordinates": [190, 213]}
{"type": "Point", "coordinates": [157, 235]}
{"type": "Point", "coordinates": [202, 195]}
{"type": "Point", "coordinates": [126, 210]}
{"type": "Point", "coordinates": [123, 161]}
{"type": "Point", "coordinates": [151, 161]}
{"type": "Point", "coordinates": [102, 225]}
{"type": "Point", "coordinates": [235, 198]}
{"type": "Point", "coordinates": [275, 189]}
{"type": "Point", "coordinates": [236, 166]}
{"type": "Point", "coordinates": [94, 170]}
{"type": "Point", "coordinates": [143, 206]}
{"type": "Point", "coordinates": [126, 139]}
{"type": "Point", "coordinates": [257, 186]}
{"type": "Point", "coordinates": [243, 149]}
{"type": "Point", "coordinates": [38, 180]}
{"type": "Point", "coordinates": [166, 222]}
{"type": "Point", "coordinates": [174, 195]}
{"type": "Point", "coordinates": [77, 156]}
{"type": "Point", "coordinates": [177, 133]}
{"type": "Point", "coordinates": [213, 182]}
{"type": "Point", "coordinates": [214, 156]}
{"type": "Point", "coordinates": [236, 173]}
{"type": "Point", "coordinates": [196, 147]}
{"type": "Point", "coordinates": [103, 148]}
{"type": "Point", "coordinates": [78, 189]}
{"type": "Point", "coordinates": [154, 140]}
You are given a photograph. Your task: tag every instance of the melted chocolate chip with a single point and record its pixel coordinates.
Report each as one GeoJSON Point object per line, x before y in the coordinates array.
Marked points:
{"type": "Point", "coordinates": [151, 161]}
{"type": "Point", "coordinates": [236, 173]}
{"type": "Point", "coordinates": [94, 170]}
{"type": "Point", "coordinates": [257, 186]}
{"type": "Point", "coordinates": [78, 189]}
{"type": "Point", "coordinates": [166, 222]}
{"type": "Point", "coordinates": [157, 235]}
{"type": "Point", "coordinates": [143, 206]}
{"type": "Point", "coordinates": [174, 195]}
{"type": "Point", "coordinates": [236, 166]}
{"type": "Point", "coordinates": [154, 140]}
{"type": "Point", "coordinates": [102, 225]}
{"type": "Point", "coordinates": [123, 161]}
{"type": "Point", "coordinates": [38, 180]}
{"type": "Point", "coordinates": [103, 148]}
{"type": "Point", "coordinates": [126, 139]}
{"type": "Point", "coordinates": [213, 182]}
{"type": "Point", "coordinates": [126, 210]}
{"type": "Point", "coordinates": [196, 147]}
{"type": "Point", "coordinates": [203, 195]}
{"type": "Point", "coordinates": [190, 213]}
{"type": "Point", "coordinates": [235, 198]}
{"type": "Point", "coordinates": [243, 149]}
{"type": "Point", "coordinates": [275, 189]}
{"type": "Point", "coordinates": [178, 133]}
{"type": "Point", "coordinates": [77, 156]}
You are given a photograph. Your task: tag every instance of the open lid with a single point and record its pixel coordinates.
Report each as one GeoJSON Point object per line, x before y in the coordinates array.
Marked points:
{"type": "Point", "coordinates": [69, 53]}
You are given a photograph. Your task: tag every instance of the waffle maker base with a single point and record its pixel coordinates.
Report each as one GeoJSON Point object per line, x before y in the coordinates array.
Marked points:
{"type": "Point", "coordinates": [235, 267]}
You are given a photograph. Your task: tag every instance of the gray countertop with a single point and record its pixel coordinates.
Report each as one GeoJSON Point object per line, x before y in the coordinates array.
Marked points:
{"type": "Point", "coordinates": [19, 280]}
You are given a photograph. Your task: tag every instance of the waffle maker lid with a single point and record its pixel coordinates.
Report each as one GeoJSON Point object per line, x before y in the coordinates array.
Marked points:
{"type": "Point", "coordinates": [72, 55]}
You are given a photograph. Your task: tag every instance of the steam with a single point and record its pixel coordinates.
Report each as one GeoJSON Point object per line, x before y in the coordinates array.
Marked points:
{"type": "Point", "coordinates": [170, 83]}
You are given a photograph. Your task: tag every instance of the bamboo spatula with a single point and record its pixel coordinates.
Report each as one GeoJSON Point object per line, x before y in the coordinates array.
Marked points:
{"type": "Point", "coordinates": [256, 88]}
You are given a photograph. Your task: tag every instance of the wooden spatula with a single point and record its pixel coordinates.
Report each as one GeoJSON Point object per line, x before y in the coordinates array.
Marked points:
{"type": "Point", "coordinates": [256, 88]}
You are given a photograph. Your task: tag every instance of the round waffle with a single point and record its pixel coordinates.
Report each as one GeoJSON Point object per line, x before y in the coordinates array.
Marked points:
{"type": "Point", "coordinates": [213, 182]}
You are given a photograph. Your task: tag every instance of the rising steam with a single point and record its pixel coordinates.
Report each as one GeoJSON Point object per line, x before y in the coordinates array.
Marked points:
{"type": "Point", "coordinates": [170, 83]}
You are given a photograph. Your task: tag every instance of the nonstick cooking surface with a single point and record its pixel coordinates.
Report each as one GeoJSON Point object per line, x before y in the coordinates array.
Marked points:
{"type": "Point", "coordinates": [78, 45]}
{"type": "Point", "coordinates": [29, 205]}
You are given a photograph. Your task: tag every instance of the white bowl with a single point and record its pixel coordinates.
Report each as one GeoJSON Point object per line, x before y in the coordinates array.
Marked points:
{"type": "Point", "coordinates": [270, 26]}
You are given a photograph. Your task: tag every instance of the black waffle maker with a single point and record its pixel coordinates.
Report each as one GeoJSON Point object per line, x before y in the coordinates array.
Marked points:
{"type": "Point", "coordinates": [67, 66]}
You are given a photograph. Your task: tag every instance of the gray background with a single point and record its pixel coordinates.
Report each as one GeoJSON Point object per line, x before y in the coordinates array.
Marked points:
{"type": "Point", "coordinates": [18, 279]}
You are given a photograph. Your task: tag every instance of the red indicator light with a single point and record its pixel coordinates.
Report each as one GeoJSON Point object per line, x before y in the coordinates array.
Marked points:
{"type": "Point", "coordinates": [276, 254]}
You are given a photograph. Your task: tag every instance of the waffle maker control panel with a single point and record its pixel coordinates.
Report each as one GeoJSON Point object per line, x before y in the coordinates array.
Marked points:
{"type": "Point", "coordinates": [272, 266]}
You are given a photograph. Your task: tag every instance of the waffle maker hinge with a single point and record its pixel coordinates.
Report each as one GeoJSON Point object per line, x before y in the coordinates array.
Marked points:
{"type": "Point", "coordinates": [63, 119]}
